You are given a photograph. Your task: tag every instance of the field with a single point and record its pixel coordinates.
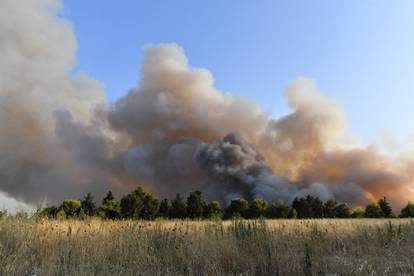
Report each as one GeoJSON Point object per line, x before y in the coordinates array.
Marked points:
{"type": "Point", "coordinates": [262, 247]}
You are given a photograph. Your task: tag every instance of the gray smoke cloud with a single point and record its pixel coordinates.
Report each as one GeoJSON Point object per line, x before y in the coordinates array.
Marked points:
{"type": "Point", "coordinates": [59, 138]}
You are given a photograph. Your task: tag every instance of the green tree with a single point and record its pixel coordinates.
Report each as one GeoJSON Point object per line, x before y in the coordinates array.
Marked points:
{"type": "Point", "coordinates": [178, 208]}
{"type": "Point", "coordinates": [257, 208]}
{"type": "Point", "coordinates": [292, 213]}
{"type": "Point", "coordinates": [329, 208]}
{"type": "Point", "coordinates": [71, 207]}
{"type": "Point", "coordinates": [302, 207]}
{"type": "Point", "coordinates": [237, 207]}
{"type": "Point", "coordinates": [164, 208]}
{"type": "Point", "coordinates": [89, 205]}
{"type": "Point", "coordinates": [212, 209]}
{"type": "Point", "coordinates": [110, 208]}
{"type": "Point", "coordinates": [373, 210]}
{"type": "Point", "coordinates": [194, 205]}
{"type": "Point", "coordinates": [48, 212]}
{"type": "Point", "coordinates": [132, 204]}
{"type": "Point", "coordinates": [358, 213]}
{"type": "Point", "coordinates": [150, 208]}
{"type": "Point", "coordinates": [316, 206]}
{"type": "Point", "coordinates": [278, 210]}
{"type": "Point", "coordinates": [342, 211]}
{"type": "Point", "coordinates": [385, 208]}
{"type": "Point", "coordinates": [407, 211]}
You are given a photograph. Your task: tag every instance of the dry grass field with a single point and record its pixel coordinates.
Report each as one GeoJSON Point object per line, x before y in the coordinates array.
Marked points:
{"type": "Point", "coordinates": [271, 247]}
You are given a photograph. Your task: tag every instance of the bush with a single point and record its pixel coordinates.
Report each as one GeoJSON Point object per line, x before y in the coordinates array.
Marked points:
{"type": "Point", "coordinates": [238, 207]}
{"type": "Point", "coordinates": [342, 211]}
{"type": "Point", "coordinates": [71, 207]}
{"type": "Point", "coordinates": [373, 210]}
{"type": "Point", "coordinates": [408, 211]}
{"type": "Point", "coordinates": [279, 210]}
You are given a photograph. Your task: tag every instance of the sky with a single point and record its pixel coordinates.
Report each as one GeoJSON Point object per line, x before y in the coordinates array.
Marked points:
{"type": "Point", "coordinates": [359, 52]}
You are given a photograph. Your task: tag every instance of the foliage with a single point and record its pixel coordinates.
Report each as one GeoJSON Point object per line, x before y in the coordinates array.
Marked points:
{"type": "Point", "coordinates": [194, 205]}
{"type": "Point", "coordinates": [178, 208]}
{"type": "Point", "coordinates": [110, 208]}
{"type": "Point", "coordinates": [71, 207]}
{"type": "Point", "coordinates": [385, 208]}
{"type": "Point", "coordinates": [308, 207]}
{"type": "Point", "coordinates": [139, 204]}
{"type": "Point", "coordinates": [342, 211]}
{"type": "Point", "coordinates": [132, 204]}
{"type": "Point", "coordinates": [164, 208]}
{"type": "Point", "coordinates": [408, 211]}
{"type": "Point", "coordinates": [329, 208]}
{"type": "Point", "coordinates": [212, 209]}
{"type": "Point", "coordinates": [257, 208]}
{"type": "Point", "coordinates": [238, 207]}
{"type": "Point", "coordinates": [358, 213]}
{"type": "Point", "coordinates": [373, 210]}
{"type": "Point", "coordinates": [89, 205]}
{"type": "Point", "coordinates": [279, 210]}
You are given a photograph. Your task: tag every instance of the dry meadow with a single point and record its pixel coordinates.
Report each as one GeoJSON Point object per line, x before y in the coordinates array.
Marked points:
{"type": "Point", "coordinates": [262, 247]}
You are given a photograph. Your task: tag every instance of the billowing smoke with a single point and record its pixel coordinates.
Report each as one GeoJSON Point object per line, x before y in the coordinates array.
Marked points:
{"type": "Point", "coordinates": [174, 133]}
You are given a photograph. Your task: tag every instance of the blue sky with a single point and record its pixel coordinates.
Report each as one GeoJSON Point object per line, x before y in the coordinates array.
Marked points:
{"type": "Point", "coordinates": [360, 52]}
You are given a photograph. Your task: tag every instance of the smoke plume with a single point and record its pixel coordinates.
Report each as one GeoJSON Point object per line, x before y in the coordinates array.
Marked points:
{"type": "Point", "coordinates": [174, 132]}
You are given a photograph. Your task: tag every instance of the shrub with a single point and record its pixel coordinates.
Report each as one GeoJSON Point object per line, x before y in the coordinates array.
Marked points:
{"type": "Point", "coordinates": [373, 210]}
{"type": "Point", "coordinates": [408, 211]}
{"type": "Point", "coordinates": [237, 207]}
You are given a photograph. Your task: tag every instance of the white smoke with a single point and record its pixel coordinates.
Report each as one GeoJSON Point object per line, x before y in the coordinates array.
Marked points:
{"type": "Point", "coordinates": [59, 138]}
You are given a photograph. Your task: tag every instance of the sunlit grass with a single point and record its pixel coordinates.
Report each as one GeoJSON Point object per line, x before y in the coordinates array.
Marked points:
{"type": "Point", "coordinates": [271, 247]}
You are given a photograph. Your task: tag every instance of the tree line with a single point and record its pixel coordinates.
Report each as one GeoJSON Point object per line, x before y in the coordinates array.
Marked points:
{"type": "Point", "coordinates": [141, 205]}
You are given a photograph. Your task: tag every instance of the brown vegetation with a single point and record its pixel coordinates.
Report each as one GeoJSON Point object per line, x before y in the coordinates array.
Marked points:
{"type": "Point", "coordinates": [256, 247]}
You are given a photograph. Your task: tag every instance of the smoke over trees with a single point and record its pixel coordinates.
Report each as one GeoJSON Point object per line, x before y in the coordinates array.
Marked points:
{"type": "Point", "coordinates": [173, 133]}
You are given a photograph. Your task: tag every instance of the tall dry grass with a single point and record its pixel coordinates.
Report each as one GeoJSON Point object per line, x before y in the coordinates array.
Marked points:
{"type": "Point", "coordinates": [271, 247]}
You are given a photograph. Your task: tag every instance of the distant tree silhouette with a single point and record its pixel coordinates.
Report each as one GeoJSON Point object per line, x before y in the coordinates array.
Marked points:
{"type": "Point", "coordinates": [407, 211]}
{"type": "Point", "coordinates": [150, 208]}
{"type": "Point", "coordinates": [257, 208]}
{"type": "Point", "coordinates": [88, 205]}
{"type": "Point", "coordinates": [71, 207]}
{"type": "Point", "coordinates": [329, 208]}
{"type": "Point", "coordinates": [212, 209]}
{"type": "Point", "coordinates": [178, 208]}
{"type": "Point", "coordinates": [49, 212]}
{"type": "Point", "coordinates": [342, 211]}
{"type": "Point", "coordinates": [164, 208]}
{"type": "Point", "coordinates": [385, 208]}
{"type": "Point", "coordinates": [194, 205]}
{"type": "Point", "coordinates": [238, 207]}
{"type": "Point", "coordinates": [139, 205]}
{"type": "Point", "coordinates": [373, 210]}
{"type": "Point", "coordinates": [132, 204]}
{"type": "Point", "coordinates": [316, 206]}
{"type": "Point", "coordinates": [358, 213]}
{"type": "Point", "coordinates": [278, 210]}
{"type": "Point", "coordinates": [110, 208]}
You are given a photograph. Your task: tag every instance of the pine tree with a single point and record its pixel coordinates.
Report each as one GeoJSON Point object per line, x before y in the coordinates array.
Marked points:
{"type": "Point", "coordinates": [329, 208]}
{"type": "Point", "coordinates": [164, 208]}
{"type": "Point", "coordinates": [194, 205]}
{"type": "Point", "coordinates": [110, 208]}
{"type": "Point", "coordinates": [88, 205]}
{"type": "Point", "coordinates": [385, 208]}
{"type": "Point", "coordinates": [178, 208]}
